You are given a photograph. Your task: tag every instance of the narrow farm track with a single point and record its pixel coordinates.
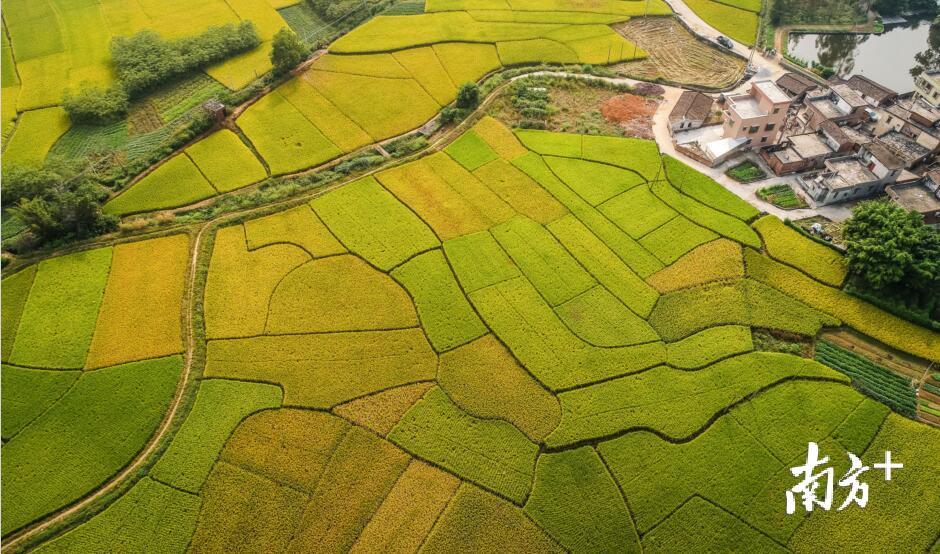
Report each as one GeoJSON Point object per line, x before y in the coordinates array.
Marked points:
{"type": "Point", "coordinates": [143, 456]}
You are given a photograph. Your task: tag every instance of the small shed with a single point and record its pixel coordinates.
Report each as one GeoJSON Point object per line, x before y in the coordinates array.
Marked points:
{"type": "Point", "coordinates": [215, 109]}
{"type": "Point", "coordinates": [691, 111]}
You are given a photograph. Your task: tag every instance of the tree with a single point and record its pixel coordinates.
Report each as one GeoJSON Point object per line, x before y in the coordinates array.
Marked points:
{"type": "Point", "coordinates": [56, 201]}
{"type": "Point", "coordinates": [892, 251]}
{"type": "Point", "coordinates": [96, 106]}
{"type": "Point", "coordinates": [287, 51]}
{"type": "Point", "coordinates": [468, 97]}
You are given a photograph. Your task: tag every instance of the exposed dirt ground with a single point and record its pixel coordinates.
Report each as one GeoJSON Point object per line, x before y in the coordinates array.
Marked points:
{"type": "Point", "coordinates": [577, 107]}
{"type": "Point", "coordinates": [676, 56]}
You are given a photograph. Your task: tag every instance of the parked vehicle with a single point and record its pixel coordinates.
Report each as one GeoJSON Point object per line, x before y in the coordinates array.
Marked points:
{"type": "Point", "coordinates": [726, 42]}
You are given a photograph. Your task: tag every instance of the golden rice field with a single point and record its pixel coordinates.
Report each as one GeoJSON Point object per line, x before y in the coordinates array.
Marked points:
{"type": "Point", "coordinates": [524, 342]}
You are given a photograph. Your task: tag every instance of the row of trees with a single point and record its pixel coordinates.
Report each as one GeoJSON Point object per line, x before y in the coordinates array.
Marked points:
{"type": "Point", "coordinates": [145, 60]}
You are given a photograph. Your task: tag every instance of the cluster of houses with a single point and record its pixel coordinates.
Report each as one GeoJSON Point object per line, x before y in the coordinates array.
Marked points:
{"type": "Point", "coordinates": [844, 139]}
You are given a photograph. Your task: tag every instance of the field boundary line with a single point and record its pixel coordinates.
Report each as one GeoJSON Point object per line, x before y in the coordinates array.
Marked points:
{"type": "Point", "coordinates": [151, 446]}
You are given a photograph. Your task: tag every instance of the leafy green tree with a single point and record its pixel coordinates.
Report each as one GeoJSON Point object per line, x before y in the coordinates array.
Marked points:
{"type": "Point", "coordinates": [468, 97]}
{"type": "Point", "coordinates": [56, 201]}
{"type": "Point", "coordinates": [287, 51]}
{"type": "Point", "coordinates": [95, 105]}
{"type": "Point", "coordinates": [891, 249]}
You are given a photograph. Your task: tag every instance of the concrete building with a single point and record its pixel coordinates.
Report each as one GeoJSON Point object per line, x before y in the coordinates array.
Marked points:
{"type": "Point", "coordinates": [911, 127]}
{"type": "Point", "coordinates": [758, 115]}
{"type": "Point", "coordinates": [839, 104]}
{"type": "Point", "coordinates": [927, 87]}
{"type": "Point", "coordinates": [918, 197]}
{"type": "Point", "coordinates": [853, 177]}
{"type": "Point", "coordinates": [797, 153]}
{"type": "Point", "coordinates": [691, 111]}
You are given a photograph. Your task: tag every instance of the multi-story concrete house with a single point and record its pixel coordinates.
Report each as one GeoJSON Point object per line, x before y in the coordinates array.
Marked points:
{"type": "Point", "coordinates": [921, 196]}
{"type": "Point", "coordinates": [852, 177]}
{"type": "Point", "coordinates": [838, 103]}
{"type": "Point", "coordinates": [758, 115]}
{"type": "Point", "coordinates": [927, 87]}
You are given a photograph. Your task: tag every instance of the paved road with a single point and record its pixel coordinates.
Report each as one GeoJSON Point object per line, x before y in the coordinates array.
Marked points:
{"type": "Point", "coordinates": [767, 68]}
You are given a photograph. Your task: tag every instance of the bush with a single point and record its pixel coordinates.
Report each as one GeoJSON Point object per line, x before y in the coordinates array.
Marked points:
{"type": "Point", "coordinates": [451, 114]}
{"type": "Point", "coordinates": [468, 97]}
{"type": "Point", "coordinates": [96, 106]}
{"type": "Point", "coordinates": [145, 59]}
{"type": "Point", "coordinates": [406, 145]}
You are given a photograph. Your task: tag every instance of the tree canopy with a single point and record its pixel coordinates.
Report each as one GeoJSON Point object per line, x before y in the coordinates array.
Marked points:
{"type": "Point", "coordinates": [892, 251]}
{"type": "Point", "coordinates": [287, 51]}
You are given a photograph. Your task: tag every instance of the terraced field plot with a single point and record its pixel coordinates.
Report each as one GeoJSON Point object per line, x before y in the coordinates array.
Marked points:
{"type": "Point", "coordinates": [406, 68]}
{"type": "Point", "coordinates": [446, 357]}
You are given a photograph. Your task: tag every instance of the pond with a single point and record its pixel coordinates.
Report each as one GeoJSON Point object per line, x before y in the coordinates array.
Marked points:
{"type": "Point", "coordinates": [886, 58]}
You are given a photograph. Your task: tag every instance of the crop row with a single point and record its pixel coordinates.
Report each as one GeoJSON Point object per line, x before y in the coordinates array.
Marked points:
{"type": "Point", "coordinates": [873, 379]}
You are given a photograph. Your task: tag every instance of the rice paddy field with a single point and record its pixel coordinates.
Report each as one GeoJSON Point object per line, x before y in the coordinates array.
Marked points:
{"type": "Point", "coordinates": [53, 46]}
{"type": "Point", "coordinates": [527, 341]}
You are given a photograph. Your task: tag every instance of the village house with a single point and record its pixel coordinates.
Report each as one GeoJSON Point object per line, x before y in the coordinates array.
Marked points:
{"type": "Point", "coordinates": [911, 128]}
{"type": "Point", "coordinates": [922, 196]}
{"type": "Point", "coordinates": [853, 177]}
{"type": "Point", "coordinates": [758, 115]}
{"type": "Point", "coordinates": [691, 111]}
{"type": "Point", "coordinates": [927, 87]}
{"type": "Point", "coordinates": [796, 85]}
{"type": "Point", "coordinates": [838, 103]}
{"type": "Point", "coordinates": [873, 93]}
